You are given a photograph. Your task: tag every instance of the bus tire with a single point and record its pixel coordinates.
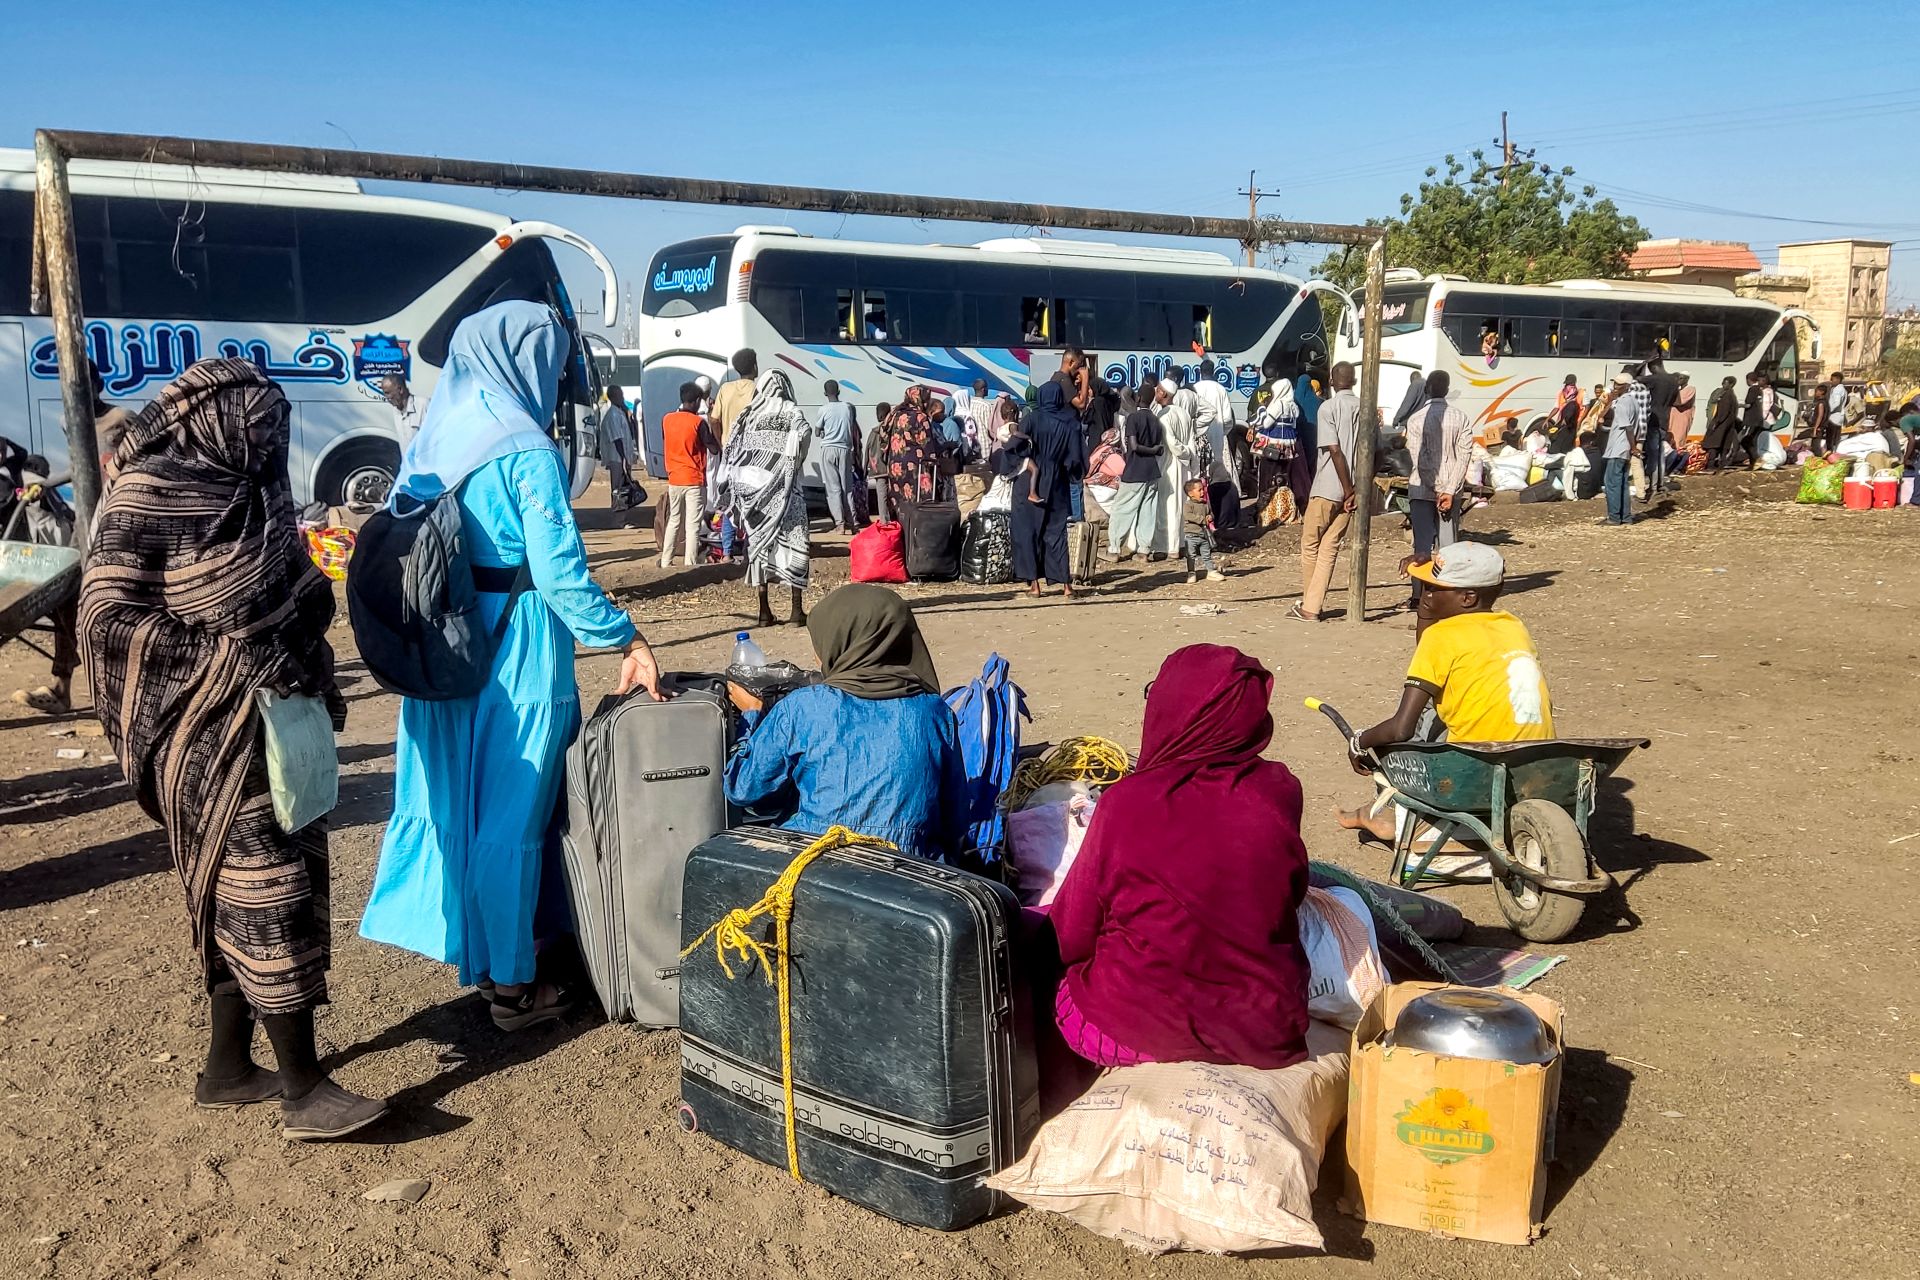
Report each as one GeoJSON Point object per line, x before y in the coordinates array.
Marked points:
{"type": "Point", "coordinates": [358, 474]}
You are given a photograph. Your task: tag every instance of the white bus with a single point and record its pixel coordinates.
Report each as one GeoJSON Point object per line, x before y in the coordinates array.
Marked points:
{"type": "Point", "coordinates": [1589, 328]}
{"type": "Point", "coordinates": [325, 288]}
{"type": "Point", "coordinates": [878, 318]}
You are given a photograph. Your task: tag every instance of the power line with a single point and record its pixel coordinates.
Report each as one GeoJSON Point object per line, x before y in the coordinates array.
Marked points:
{"type": "Point", "coordinates": [1681, 205]}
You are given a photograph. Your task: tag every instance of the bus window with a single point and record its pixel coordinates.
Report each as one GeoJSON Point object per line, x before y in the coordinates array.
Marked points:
{"type": "Point", "coordinates": [1591, 328]}
{"type": "Point", "coordinates": [932, 318]}
{"type": "Point", "coordinates": [1203, 327]}
{"type": "Point", "coordinates": [1304, 331]}
{"type": "Point", "coordinates": [1403, 309]}
{"type": "Point", "coordinates": [1781, 363]}
{"type": "Point", "coordinates": [784, 308]}
{"type": "Point", "coordinates": [1694, 341]}
{"type": "Point", "coordinates": [1036, 322]}
{"type": "Point", "coordinates": [1742, 329]}
{"type": "Point", "coordinates": [875, 323]}
{"type": "Point", "coordinates": [1466, 320]}
{"type": "Point", "coordinates": [524, 273]}
{"type": "Point", "coordinates": [843, 316]}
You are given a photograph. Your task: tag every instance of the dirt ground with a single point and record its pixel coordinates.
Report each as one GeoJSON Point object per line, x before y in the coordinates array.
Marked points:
{"type": "Point", "coordinates": [1738, 1087]}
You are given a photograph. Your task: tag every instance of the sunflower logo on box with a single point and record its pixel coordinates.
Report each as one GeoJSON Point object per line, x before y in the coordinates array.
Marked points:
{"type": "Point", "coordinates": [1445, 1127]}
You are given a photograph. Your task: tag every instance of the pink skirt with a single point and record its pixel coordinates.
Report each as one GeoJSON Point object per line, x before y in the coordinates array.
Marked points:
{"type": "Point", "coordinates": [1087, 1040]}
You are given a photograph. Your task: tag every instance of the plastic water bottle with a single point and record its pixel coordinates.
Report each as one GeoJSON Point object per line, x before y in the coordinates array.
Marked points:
{"type": "Point", "coordinates": [746, 654]}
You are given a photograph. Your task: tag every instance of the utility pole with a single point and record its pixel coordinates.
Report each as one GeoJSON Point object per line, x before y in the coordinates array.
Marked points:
{"type": "Point", "coordinates": [1506, 151]}
{"type": "Point", "coordinates": [1253, 194]}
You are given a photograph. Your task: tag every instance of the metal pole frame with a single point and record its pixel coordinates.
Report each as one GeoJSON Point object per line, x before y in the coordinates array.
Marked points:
{"type": "Point", "coordinates": [57, 284]}
{"type": "Point", "coordinates": [1368, 436]}
{"type": "Point", "coordinates": [56, 278]}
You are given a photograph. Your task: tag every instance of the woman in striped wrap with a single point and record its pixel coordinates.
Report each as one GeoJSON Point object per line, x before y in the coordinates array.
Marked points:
{"type": "Point", "coordinates": [197, 595]}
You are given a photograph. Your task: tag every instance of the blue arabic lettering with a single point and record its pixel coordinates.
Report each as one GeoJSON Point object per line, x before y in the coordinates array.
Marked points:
{"type": "Point", "coordinates": [686, 279]}
{"type": "Point", "coordinates": [315, 360]}
{"type": "Point", "coordinates": [157, 352]}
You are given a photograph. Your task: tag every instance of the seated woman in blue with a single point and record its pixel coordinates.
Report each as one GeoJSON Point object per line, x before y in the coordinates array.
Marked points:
{"type": "Point", "coordinates": [872, 748]}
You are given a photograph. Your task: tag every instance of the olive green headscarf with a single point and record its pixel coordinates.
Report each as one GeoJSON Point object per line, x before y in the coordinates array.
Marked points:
{"type": "Point", "coordinates": [869, 644]}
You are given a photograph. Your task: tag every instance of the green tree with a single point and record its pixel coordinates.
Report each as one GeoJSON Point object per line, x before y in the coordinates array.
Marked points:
{"type": "Point", "coordinates": [1534, 227]}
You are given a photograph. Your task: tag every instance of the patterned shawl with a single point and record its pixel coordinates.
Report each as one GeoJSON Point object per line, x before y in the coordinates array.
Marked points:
{"type": "Point", "coordinates": [762, 482]}
{"type": "Point", "coordinates": [198, 593]}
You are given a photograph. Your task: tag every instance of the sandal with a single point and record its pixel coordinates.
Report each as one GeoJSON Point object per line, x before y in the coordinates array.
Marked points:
{"type": "Point", "coordinates": [1298, 615]}
{"type": "Point", "coordinates": [43, 700]}
{"type": "Point", "coordinates": [518, 1013]}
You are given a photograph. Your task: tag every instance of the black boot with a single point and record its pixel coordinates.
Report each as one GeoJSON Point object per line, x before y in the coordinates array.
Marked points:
{"type": "Point", "coordinates": [313, 1107]}
{"type": "Point", "coordinates": [231, 1077]}
{"type": "Point", "coordinates": [766, 610]}
{"type": "Point", "coordinates": [799, 618]}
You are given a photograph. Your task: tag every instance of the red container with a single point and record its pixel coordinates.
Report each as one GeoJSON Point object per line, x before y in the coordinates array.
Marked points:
{"type": "Point", "coordinates": [1857, 495]}
{"type": "Point", "coordinates": [1886, 493]}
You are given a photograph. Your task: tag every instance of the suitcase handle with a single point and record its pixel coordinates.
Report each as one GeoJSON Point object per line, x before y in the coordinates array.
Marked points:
{"type": "Point", "coordinates": [668, 974]}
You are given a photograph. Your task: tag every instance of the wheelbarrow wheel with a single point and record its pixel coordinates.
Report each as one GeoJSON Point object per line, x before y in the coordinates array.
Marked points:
{"type": "Point", "coordinates": [1542, 837]}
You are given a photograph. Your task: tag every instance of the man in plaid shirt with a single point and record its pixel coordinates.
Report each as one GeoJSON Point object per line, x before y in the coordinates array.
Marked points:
{"type": "Point", "coordinates": [1628, 428]}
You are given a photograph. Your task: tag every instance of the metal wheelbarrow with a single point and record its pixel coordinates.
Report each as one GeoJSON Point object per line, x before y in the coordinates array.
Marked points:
{"type": "Point", "coordinates": [36, 581]}
{"type": "Point", "coordinates": [1526, 804]}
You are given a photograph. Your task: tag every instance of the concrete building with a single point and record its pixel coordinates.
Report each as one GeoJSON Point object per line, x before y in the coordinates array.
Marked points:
{"type": "Point", "coordinates": [1846, 295]}
{"type": "Point", "coordinates": [1713, 262]}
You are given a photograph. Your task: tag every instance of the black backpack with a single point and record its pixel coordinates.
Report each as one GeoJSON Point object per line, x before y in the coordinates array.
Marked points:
{"type": "Point", "coordinates": [414, 603]}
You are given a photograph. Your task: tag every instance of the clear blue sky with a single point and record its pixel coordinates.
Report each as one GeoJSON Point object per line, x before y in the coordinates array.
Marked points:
{"type": "Point", "coordinates": [1761, 107]}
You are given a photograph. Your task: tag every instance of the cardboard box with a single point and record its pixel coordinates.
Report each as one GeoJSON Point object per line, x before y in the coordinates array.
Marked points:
{"type": "Point", "coordinates": [1451, 1146]}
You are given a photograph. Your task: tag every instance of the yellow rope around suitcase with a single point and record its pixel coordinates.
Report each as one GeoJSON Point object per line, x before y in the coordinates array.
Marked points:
{"type": "Point", "coordinates": [730, 933]}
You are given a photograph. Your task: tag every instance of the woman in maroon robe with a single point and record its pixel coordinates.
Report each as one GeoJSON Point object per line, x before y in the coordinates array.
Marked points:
{"type": "Point", "coordinates": [1177, 922]}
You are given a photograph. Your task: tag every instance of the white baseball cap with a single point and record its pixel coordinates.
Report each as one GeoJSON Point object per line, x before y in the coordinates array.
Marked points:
{"type": "Point", "coordinates": [1464, 564]}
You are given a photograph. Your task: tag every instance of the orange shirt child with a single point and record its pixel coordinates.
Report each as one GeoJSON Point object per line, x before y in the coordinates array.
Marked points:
{"type": "Point", "coordinates": [685, 444]}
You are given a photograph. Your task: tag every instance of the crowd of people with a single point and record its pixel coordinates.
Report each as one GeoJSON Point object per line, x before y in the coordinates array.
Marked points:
{"type": "Point", "coordinates": [1156, 963]}
{"type": "Point", "coordinates": [200, 598]}
{"type": "Point", "coordinates": [1074, 448]}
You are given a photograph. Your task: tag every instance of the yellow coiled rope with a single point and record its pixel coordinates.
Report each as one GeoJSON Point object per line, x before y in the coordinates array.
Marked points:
{"type": "Point", "coordinates": [730, 933]}
{"type": "Point", "coordinates": [1097, 761]}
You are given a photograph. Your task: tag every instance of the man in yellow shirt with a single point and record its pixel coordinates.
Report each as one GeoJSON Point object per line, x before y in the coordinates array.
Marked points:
{"type": "Point", "coordinates": [732, 399]}
{"type": "Point", "coordinates": [1473, 663]}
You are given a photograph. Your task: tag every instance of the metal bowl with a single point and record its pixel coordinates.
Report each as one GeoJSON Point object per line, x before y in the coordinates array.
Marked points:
{"type": "Point", "coordinates": [1462, 1022]}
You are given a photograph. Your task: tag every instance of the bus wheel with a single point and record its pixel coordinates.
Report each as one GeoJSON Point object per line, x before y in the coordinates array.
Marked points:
{"type": "Point", "coordinates": [360, 475]}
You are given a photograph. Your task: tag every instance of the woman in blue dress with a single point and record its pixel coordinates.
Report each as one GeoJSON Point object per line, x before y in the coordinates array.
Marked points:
{"type": "Point", "coordinates": [476, 779]}
{"type": "Point", "coordinates": [872, 747]}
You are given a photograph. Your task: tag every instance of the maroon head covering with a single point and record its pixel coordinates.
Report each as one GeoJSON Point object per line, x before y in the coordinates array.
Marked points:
{"type": "Point", "coordinates": [1177, 923]}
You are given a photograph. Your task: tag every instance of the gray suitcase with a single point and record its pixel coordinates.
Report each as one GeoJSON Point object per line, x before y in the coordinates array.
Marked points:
{"type": "Point", "coordinates": [645, 785]}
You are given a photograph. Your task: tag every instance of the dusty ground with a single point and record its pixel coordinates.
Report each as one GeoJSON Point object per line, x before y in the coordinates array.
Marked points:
{"type": "Point", "coordinates": [1738, 1092]}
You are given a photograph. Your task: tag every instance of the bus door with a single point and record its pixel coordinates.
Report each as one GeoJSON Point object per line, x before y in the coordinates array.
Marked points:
{"type": "Point", "coordinates": [16, 409]}
{"type": "Point", "coordinates": [660, 382]}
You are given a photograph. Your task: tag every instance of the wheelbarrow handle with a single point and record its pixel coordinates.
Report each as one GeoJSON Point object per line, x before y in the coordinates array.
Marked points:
{"type": "Point", "coordinates": [1339, 721]}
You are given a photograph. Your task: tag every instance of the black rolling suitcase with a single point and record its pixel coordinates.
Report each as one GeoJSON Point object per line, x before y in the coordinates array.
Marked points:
{"type": "Point", "coordinates": [645, 784]}
{"type": "Point", "coordinates": [930, 533]}
{"type": "Point", "coordinates": [913, 1053]}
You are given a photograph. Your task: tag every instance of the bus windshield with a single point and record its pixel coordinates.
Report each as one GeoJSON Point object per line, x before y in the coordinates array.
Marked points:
{"type": "Point", "coordinates": [688, 278]}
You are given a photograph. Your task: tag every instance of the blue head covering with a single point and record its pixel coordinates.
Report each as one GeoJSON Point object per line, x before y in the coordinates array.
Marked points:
{"type": "Point", "coordinates": [496, 397]}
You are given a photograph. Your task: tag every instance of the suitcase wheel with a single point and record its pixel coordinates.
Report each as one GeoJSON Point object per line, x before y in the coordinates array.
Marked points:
{"type": "Point", "coordinates": [689, 1122]}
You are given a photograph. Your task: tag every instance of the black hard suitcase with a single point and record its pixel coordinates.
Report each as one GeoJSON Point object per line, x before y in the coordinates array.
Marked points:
{"type": "Point", "coordinates": [931, 534]}
{"type": "Point", "coordinates": [913, 1051]}
{"type": "Point", "coordinates": [645, 783]}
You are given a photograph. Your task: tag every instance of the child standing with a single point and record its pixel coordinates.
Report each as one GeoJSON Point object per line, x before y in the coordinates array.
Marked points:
{"type": "Point", "coordinates": [1196, 533]}
{"type": "Point", "coordinates": [686, 441]}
